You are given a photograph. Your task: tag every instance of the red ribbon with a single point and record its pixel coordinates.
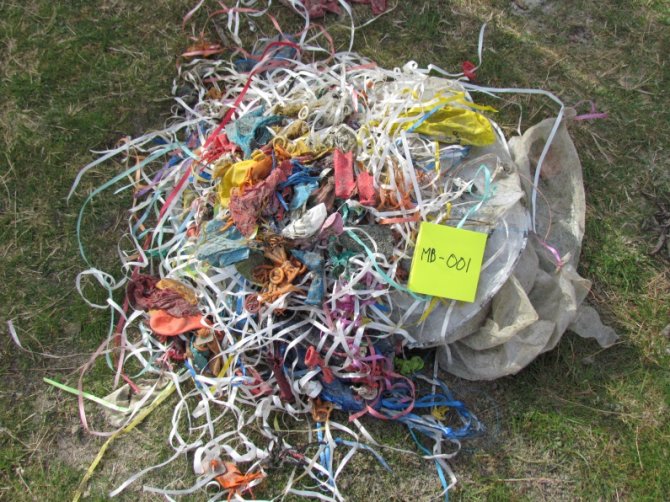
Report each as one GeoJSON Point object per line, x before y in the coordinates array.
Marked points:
{"type": "Point", "coordinates": [344, 174]}
{"type": "Point", "coordinates": [469, 70]}
{"type": "Point", "coordinates": [366, 189]}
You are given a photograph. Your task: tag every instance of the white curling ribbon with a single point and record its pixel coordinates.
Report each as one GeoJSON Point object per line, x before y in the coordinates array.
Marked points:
{"type": "Point", "coordinates": [308, 385]}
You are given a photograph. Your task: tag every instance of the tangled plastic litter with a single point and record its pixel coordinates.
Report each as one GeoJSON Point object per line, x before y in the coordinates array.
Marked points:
{"type": "Point", "coordinates": [273, 227]}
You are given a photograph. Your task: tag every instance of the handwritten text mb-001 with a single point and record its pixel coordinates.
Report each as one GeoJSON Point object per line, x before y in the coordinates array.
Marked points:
{"type": "Point", "coordinates": [458, 263]}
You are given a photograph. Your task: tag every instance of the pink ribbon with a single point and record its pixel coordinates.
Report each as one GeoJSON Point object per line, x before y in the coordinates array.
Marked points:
{"type": "Point", "coordinates": [594, 114]}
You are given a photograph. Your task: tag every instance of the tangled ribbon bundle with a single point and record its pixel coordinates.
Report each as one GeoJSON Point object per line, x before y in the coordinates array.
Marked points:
{"type": "Point", "coordinates": [272, 227]}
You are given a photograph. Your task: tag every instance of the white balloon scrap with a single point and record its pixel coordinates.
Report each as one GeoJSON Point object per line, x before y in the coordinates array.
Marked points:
{"type": "Point", "coordinates": [308, 224]}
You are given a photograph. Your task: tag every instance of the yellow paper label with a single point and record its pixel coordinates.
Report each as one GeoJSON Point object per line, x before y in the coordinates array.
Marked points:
{"type": "Point", "coordinates": [447, 262]}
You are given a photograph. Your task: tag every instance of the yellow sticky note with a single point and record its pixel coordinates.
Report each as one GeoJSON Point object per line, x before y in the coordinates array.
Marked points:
{"type": "Point", "coordinates": [447, 262]}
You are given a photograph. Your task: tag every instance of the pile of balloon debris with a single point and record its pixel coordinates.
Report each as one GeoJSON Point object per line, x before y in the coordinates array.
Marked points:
{"type": "Point", "coordinates": [273, 224]}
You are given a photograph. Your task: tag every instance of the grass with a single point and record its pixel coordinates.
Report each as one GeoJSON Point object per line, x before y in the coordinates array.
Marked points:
{"type": "Point", "coordinates": [578, 423]}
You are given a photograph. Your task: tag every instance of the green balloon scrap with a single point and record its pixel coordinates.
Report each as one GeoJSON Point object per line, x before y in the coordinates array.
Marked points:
{"type": "Point", "coordinates": [408, 366]}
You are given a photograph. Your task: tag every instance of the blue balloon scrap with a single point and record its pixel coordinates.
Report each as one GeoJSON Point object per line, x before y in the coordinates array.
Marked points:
{"type": "Point", "coordinates": [251, 132]}
{"type": "Point", "coordinates": [222, 249]}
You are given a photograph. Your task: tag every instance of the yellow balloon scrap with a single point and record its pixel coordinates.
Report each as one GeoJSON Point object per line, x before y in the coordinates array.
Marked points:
{"type": "Point", "coordinates": [186, 292]}
{"type": "Point", "coordinates": [450, 119]}
{"type": "Point", "coordinates": [232, 175]}
{"type": "Point", "coordinates": [298, 148]}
